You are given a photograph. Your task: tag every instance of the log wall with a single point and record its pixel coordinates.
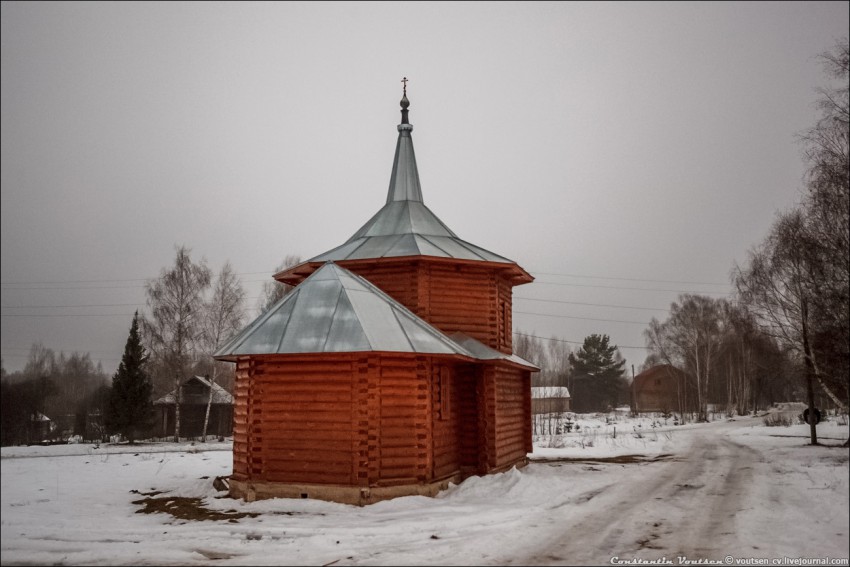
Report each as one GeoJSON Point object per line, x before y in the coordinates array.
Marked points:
{"type": "Point", "coordinates": [476, 301]}
{"type": "Point", "coordinates": [504, 422]}
{"type": "Point", "coordinates": [356, 420]}
{"type": "Point", "coordinates": [241, 392]}
{"type": "Point", "coordinates": [377, 420]}
{"type": "Point", "coordinates": [453, 419]}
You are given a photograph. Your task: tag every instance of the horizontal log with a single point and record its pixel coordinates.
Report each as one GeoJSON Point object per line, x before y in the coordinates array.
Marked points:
{"type": "Point", "coordinates": [299, 459]}
{"type": "Point", "coordinates": [397, 425]}
{"type": "Point", "coordinates": [327, 412]}
{"type": "Point", "coordinates": [314, 396]}
{"type": "Point", "coordinates": [338, 444]}
{"type": "Point", "coordinates": [400, 391]}
{"type": "Point", "coordinates": [505, 436]}
{"type": "Point", "coordinates": [284, 367]}
{"type": "Point", "coordinates": [307, 387]}
{"type": "Point", "coordinates": [510, 448]}
{"type": "Point", "coordinates": [394, 464]}
{"type": "Point", "coordinates": [279, 428]}
{"type": "Point", "coordinates": [405, 452]}
{"type": "Point", "coordinates": [284, 434]}
{"type": "Point", "coordinates": [407, 411]}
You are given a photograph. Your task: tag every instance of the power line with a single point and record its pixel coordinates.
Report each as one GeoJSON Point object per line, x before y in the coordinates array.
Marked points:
{"type": "Point", "coordinates": [572, 342]}
{"type": "Point", "coordinates": [267, 272]}
{"type": "Point", "coordinates": [644, 323]}
{"type": "Point", "coordinates": [98, 358]}
{"type": "Point", "coordinates": [636, 288]}
{"type": "Point", "coordinates": [591, 304]}
{"type": "Point", "coordinates": [626, 279]}
{"type": "Point", "coordinates": [69, 350]}
{"type": "Point", "coordinates": [73, 287]}
{"type": "Point", "coordinates": [252, 298]}
{"type": "Point", "coordinates": [69, 315]}
{"type": "Point", "coordinates": [117, 279]}
{"type": "Point", "coordinates": [74, 306]}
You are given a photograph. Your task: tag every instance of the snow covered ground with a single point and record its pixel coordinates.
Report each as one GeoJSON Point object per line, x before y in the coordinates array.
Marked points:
{"type": "Point", "coordinates": [727, 488]}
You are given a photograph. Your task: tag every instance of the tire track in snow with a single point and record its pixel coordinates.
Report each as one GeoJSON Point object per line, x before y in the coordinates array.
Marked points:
{"type": "Point", "coordinates": [686, 507]}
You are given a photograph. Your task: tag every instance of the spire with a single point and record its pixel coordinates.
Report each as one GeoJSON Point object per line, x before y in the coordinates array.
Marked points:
{"type": "Point", "coordinates": [404, 226]}
{"type": "Point", "coordinates": [404, 180]}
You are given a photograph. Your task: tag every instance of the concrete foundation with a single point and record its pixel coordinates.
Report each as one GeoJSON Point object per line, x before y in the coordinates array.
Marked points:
{"type": "Point", "coordinates": [355, 495]}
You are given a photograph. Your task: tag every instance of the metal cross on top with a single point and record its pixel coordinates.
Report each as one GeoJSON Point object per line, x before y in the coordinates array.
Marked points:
{"type": "Point", "coordinates": [404, 80]}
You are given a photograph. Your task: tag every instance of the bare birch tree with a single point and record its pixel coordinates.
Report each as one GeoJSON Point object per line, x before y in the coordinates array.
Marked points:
{"type": "Point", "coordinates": [797, 282]}
{"type": "Point", "coordinates": [174, 327]}
{"type": "Point", "coordinates": [826, 206]}
{"type": "Point", "coordinates": [776, 286]}
{"type": "Point", "coordinates": [223, 317]}
{"type": "Point", "coordinates": [690, 339]}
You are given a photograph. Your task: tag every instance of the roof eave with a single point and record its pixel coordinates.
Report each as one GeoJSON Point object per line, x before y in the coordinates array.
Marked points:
{"type": "Point", "coordinates": [297, 274]}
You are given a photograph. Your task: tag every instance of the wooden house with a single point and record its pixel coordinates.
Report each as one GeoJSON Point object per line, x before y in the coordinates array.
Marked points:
{"type": "Point", "coordinates": [663, 388]}
{"type": "Point", "coordinates": [388, 370]}
{"type": "Point", "coordinates": [549, 399]}
{"type": "Point", "coordinates": [194, 397]}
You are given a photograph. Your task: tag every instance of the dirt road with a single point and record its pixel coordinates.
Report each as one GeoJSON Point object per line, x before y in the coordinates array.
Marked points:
{"type": "Point", "coordinates": [685, 507]}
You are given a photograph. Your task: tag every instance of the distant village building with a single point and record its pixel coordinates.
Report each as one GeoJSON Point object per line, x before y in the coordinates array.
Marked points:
{"type": "Point", "coordinates": [389, 369]}
{"type": "Point", "coordinates": [664, 389]}
{"type": "Point", "coordinates": [41, 428]}
{"type": "Point", "coordinates": [194, 396]}
{"type": "Point", "coordinates": [549, 399]}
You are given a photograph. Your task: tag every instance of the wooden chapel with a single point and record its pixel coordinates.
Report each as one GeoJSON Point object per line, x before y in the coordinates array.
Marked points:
{"type": "Point", "coordinates": [388, 370]}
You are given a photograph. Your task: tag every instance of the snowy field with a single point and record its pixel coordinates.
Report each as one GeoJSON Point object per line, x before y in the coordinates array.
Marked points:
{"type": "Point", "coordinates": [728, 488]}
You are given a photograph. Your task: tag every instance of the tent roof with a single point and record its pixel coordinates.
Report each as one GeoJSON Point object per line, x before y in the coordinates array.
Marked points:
{"type": "Point", "coordinates": [404, 226]}
{"type": "Point", "coordinates": [335, 310]}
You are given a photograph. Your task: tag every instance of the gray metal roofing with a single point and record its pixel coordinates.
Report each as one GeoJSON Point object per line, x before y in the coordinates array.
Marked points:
{"type": "Point", "coordinates": [335, 310]}
{"type": "Point", "coordinates": [404, 226]}
{"type": "Point", "coordinates": [482, 352]}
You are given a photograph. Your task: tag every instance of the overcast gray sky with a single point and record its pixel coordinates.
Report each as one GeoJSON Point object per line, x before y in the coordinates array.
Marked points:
{"type": "Point", "coordinates": [608, 148]}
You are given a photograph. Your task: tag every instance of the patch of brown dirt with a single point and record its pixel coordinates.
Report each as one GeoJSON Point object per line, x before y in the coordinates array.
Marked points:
{"type": "Point", "coordinates": [185, 508]}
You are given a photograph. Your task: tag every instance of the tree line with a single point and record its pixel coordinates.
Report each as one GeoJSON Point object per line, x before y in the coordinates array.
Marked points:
{"type": "Point", "coordinates": [190, 314]}
{"type": "Point", "coordinates": [785, 333]}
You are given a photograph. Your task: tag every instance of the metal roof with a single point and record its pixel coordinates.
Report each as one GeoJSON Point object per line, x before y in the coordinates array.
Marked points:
{"type": "Point", "coordinates": [404, 226]}
{"type": "Point", "coordinates": [482, 352]}
{"type": "Point", "coordinates": [335, 310]}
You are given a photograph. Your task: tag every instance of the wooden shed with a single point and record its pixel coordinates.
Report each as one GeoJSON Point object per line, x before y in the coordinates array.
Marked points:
{"type": "Point", "coordinates": [194, 396]}
{"type": "Point", "coordinates": [549, 399]}
{"type": "Point", "coordinates": [388, 370]}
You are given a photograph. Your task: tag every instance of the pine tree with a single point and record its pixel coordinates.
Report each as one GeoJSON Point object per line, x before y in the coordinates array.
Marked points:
{"type": "Point", "coordinates": [597, 375]}
{"type": "Point", "coordinates": [130, 406]}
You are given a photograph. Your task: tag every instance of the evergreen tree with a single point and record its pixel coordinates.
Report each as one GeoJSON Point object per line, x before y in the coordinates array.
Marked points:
{"type": "Point", "coordinates": [598, 380]}
{"type": "Point", "coordinates": [130, 405]}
